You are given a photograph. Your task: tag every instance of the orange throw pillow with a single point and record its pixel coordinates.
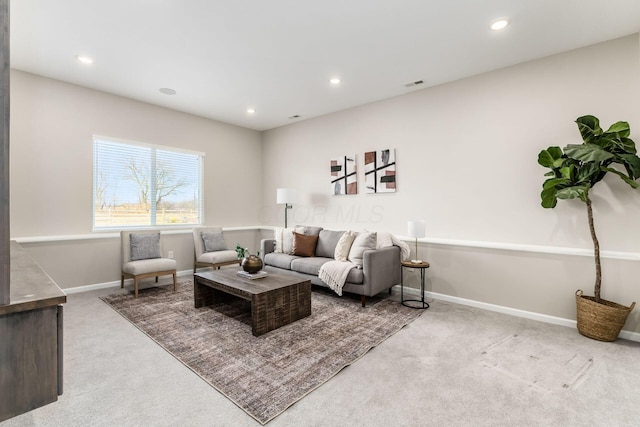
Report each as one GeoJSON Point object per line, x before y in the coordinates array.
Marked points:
{"type": "Point", "coordinates": [304, 245]}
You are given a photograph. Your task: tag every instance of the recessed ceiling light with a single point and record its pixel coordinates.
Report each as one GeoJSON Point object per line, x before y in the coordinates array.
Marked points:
{"type": "Point", "coordinates": [167, 91]}
{"type": "Point", "coordinates": [84, 59]}
{"type": "Point", "coordinates": [335, 81]}
{"type": "Point", "coordinates": [251, 110]}
{"type": "Point", "coordinates": [499, 24]}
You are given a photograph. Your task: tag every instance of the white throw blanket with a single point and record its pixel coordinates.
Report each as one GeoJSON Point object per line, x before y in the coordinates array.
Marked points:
{"type": "Point", "coordinates": [334, 274]}
{"type": "Point", "coordinates": [404, 248]}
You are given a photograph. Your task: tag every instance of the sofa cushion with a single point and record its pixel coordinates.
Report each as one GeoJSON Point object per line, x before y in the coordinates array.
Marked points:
{"type": "Point", "coordinates": [327, 241]}
{"type": "Point", "coordinates": [356, 275]}
{"type": "Point", "coordinates": [344, 246]}
{"type": "Point", "coordinates": [309, 265]}
{"type": "Point", "coordinates": [144, 246]}
{"type": "Point", "coordinates": [214, 241]}
{"type": "Point", "coordinates": [304, 245]}
{"type": "Point", "coordinates": [284, 239]}
{"type": "Point", "coordinates": [364, 241]}
{"type": "Point", "coordinates": [279, 260]}
{"type": "Point", "coordinates": [307, 230]}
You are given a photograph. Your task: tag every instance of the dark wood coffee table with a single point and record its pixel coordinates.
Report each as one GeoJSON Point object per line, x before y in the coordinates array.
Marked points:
{"type": "Point", "coordinates": [276, 300]}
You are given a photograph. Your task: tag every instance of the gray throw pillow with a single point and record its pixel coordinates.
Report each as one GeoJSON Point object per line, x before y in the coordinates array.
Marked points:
{"type": "Point", "coordinates": [214, 241]}
{"type": "Point", "coordinates": [144, 246]}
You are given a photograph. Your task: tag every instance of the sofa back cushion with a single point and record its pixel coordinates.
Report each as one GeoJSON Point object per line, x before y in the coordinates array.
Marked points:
{"type": "Point", "coordinates": [308, 230]}
{"type": "Point", "coordinates": [327, 241]}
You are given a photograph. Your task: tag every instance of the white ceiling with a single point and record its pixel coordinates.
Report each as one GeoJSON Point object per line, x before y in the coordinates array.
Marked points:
{"type": "Point", "coordinates": [277, 56]}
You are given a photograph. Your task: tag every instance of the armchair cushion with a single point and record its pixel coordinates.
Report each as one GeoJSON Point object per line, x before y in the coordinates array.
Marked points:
{"type": "Point", "coordinates": [214, 241]}
{"type": "Point", "coordinates": [145, 246]}
{"type": "Point", "coordinates": [218, 257]}
{"type": "Point", "coordinates": [145, 266]}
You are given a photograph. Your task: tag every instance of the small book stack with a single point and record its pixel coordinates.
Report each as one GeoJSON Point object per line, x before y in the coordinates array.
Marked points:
{"type": "Point", "coordinates": [259, 275]}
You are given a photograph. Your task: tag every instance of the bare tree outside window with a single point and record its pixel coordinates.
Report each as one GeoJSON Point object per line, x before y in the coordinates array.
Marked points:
{"type": "Point", "coordinates": [138, 185]}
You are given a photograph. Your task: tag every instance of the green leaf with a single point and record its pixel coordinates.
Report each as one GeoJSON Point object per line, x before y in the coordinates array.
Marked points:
{"type": "Point", "coordinates": [627, 145]}
{"type": "Point", "coordinates": [547, 157]}
{"type": "Point", "coordinates": [575, 192]}
{"type": "Point", "coordinates": [620, 128]}
{"type": "Point", "coordinates": [567, 171]}
{"type": "Point", "coordinates": [632, 164]}
{"type": "Point", "coordinates": [624, 177]}
{"type": "Point", "coordinates": [548, 197]}
{"type": "Point", "coordinates": [589, 127]}
{"type": "Point", "coordinates": [587, 172]}
{"type": "Point", "coordinates": [554, 182]}
{"type": "Point", "coordinates": [587, 153]}
{"type": "Point", "coordinates": [550, 173]}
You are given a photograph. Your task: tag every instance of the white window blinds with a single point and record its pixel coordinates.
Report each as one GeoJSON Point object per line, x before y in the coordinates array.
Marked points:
{"type": "Point", "coordinates": [140, 185]}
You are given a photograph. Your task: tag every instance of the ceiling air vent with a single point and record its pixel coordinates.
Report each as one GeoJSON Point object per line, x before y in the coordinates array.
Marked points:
{"type": "Point", "coordinates": [295, 116]}
{"type": "Point", "coordinates": [412, 84]}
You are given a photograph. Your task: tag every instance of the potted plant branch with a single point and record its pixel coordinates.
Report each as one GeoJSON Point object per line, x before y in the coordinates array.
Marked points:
{"type": "Point", "coordinates": [575, 170]}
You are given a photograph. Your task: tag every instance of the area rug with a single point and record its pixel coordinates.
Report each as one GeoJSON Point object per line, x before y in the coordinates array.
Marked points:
{"type": "Point", "coordinates": [262, 375]}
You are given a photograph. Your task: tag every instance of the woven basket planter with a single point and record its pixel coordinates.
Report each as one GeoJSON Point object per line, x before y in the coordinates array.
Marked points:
{"type": "Point", "coordinates": [601, 321]}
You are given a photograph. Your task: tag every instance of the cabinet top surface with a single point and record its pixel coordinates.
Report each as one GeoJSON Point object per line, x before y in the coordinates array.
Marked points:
{"type": "Point", "coordinates": [31, 287]}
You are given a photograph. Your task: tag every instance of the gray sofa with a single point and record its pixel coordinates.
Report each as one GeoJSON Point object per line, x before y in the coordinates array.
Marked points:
{"type": "Point", "coordinates": [380, 269]}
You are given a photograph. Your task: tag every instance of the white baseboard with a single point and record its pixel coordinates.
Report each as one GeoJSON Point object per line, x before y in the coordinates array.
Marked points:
{"type": "Point", "coordinates": [627, 335]}
{"type": "Point", "coordinates": [114, 284]}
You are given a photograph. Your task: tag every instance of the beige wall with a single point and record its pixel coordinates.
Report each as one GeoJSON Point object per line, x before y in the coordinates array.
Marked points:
{"type": "Point", "coordinates": [52, 124]}
{"type": "Point", "coordinates": [466, 157]}
{"type": "Point", "coordinates": [466, 154]}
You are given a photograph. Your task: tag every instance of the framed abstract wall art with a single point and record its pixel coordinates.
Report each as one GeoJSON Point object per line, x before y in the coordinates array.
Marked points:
{"type": "Point", "coordinates": [380, 171]}
{"type": "Point", "coordinates": [344, 177]}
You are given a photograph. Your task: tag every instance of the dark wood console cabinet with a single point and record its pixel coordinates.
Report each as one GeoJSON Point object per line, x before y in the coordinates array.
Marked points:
{"type": "Point", "coordinates": [30, 338]}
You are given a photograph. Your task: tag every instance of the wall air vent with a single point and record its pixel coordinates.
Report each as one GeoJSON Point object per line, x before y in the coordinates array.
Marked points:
{"type": "Point", "coordinates": [416, 83]}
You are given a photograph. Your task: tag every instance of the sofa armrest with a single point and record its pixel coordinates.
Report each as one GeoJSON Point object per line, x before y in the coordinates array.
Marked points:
{"type": "Point", "coordinates": [267, 246]}
{"type": "Point", "coordinates": [381, 269]}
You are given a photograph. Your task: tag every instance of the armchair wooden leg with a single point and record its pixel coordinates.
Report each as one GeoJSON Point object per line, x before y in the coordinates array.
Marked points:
{"type": "Point", "coordinates": [121, 281]}
{"type": "Point", "coordinates": [156, 279]}
{"type": "Point", "coordinates": [174, 281]}
{"type": "Point", "coordinates": [363, 299]}
{"type": "Point", "coordinates": [135, 286]}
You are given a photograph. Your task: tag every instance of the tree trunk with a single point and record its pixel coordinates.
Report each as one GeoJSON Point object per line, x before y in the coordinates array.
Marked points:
{"type": "Point", "coordinates": [596, 252]}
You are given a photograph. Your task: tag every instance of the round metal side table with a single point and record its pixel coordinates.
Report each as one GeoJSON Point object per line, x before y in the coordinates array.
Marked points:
{"type": "Point", "coordinates": [423, 265]}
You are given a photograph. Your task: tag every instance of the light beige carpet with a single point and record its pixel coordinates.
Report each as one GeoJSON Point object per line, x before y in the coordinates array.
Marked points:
{"type": "Point", "coordinates": [267, 374]}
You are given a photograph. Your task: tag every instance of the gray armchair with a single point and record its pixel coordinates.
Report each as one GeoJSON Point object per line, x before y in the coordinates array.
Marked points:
{"type": "Point", "coordinates": [211, 249]}
{"type": "Point", "coordinates": [142, 257]}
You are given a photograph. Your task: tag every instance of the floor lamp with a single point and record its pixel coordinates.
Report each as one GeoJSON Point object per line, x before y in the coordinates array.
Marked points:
{"type": "Point", "coordinates": [286, 196]}
{"type": "Point", "coordinates": [417, 231]}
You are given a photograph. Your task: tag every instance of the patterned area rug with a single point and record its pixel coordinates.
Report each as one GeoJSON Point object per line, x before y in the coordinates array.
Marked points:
{"type": "Point", "coordinates": [267, 374]}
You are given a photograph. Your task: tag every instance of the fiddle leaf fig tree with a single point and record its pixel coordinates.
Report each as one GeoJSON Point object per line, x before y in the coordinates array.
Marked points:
{"type": "Point", "coordinates": [577, 168]}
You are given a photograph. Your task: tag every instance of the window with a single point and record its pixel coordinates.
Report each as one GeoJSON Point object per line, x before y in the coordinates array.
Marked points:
{"type": "Point", "coordinates": [141, 185]}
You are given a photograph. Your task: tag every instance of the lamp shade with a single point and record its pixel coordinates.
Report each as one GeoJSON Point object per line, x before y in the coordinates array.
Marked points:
{"type": "Point", "coordinates": [286, 196]}
{"type": "Point", "coordinates": [416, 229]}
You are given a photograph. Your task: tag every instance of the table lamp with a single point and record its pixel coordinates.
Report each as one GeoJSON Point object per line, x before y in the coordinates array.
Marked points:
{"type": "Point", "coordinates": [286, 196]}
{"type": "Point", "coordinates": [417, 231]}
